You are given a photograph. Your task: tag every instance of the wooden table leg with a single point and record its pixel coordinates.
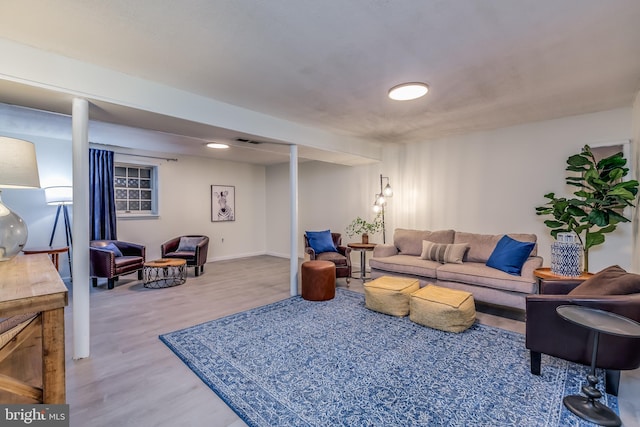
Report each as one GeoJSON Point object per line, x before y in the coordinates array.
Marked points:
{"type": "Point", "coordinates": [53, 364]}
{"type": "Point", "coordinates": [55, 258]}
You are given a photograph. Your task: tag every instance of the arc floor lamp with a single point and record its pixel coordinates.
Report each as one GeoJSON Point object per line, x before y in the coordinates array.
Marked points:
{"type": "Point", "coordinates": [381, 201]}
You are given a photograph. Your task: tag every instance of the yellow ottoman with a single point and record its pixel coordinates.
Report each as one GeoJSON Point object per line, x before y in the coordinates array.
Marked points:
{"type": "Point", "coordinates": [441, 308]}
{"type": "Point", "coordinates": [390, 295]}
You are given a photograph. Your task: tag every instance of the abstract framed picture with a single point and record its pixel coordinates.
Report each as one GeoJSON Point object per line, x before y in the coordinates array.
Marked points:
{"type": "Point", "coordinates": [223, 203]}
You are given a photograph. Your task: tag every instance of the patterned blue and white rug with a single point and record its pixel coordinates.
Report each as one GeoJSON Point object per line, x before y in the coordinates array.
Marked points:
{"type": "Point", "coordinates": [336, 363]}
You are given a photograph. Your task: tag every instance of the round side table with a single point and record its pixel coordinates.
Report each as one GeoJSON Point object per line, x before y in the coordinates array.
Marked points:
{"type": "Point", "coordinates": [164, 273]}
{"type": "Point", "coordinates": [588, 407]}
{"type": "Point", "coordinates": [52, 251]}
{"type": "Point", "coordinates": [363, 248]}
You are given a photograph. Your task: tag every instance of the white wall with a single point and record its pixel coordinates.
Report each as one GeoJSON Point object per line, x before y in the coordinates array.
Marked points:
{"type": "Point", "coordinates": [486, 182]}
{"type": "Point", "coordinates": [185, 207]}
{"type": "Point", "coordinates": [330, 197]}
{"type": "Point", "coordinates": [635, 154]}
{"type": "Point", "coordinates": [184, 200]}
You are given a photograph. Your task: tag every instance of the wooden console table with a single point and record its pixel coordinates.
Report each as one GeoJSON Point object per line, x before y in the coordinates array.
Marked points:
{"type": "Point", "coordinates": [32, 292]}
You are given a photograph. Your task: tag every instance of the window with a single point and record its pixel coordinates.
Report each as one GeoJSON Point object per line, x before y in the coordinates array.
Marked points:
{"type": "Point", "coordinates": [136, 190]}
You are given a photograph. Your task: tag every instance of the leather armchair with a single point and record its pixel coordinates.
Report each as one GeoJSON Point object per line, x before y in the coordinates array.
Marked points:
{"type": "Point", "coordinates": [194, 250]}
{"type": "Point", "coordinates": [342, 258]}
{"type": "Point", "coordinates": [105, 263]}
{"type": "Point", "coordinates": [548, 333]}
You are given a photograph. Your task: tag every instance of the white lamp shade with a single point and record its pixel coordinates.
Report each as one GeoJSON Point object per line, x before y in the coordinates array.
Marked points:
{"type": "Point", "coordinates": [60, 195]}
{"type": "Point", "coordinates": [18, 164]}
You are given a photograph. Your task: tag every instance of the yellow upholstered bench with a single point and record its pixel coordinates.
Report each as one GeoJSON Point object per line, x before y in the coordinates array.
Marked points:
{"type": "Point", "coordinates": [441, 308]}
{"type": "Point", "coordinates": [390, 295]}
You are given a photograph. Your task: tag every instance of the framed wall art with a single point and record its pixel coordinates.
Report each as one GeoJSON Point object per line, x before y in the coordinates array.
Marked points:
{"type": "Point", "coordinates": [223, 203]}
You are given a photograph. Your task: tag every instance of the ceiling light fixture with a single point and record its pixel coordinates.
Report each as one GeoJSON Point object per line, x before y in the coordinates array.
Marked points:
{"type": "Point", "coordinates": [408, 91]}
{"type": "Point", "coordinates": [217, 145]}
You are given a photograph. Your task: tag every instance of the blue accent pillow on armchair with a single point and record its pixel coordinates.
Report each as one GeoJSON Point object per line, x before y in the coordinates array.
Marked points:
{"type": "Point", "coordinates": [510, 255]}
{"type": "Point", "coordinates": [112, 248]}
{"type": "Point", "coordinates": [320, 241]}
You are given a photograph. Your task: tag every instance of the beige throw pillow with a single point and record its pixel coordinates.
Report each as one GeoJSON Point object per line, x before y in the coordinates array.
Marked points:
{"type": "Point", "coordinates": [451, 253]}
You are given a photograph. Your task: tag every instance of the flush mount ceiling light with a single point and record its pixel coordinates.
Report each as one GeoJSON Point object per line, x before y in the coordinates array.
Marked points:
{"type": "Point", "coordinates": [408, 91]}
{"type": "Point", "coordinates": [218, 145]}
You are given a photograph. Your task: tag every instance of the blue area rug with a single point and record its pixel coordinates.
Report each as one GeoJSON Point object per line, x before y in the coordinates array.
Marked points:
{"type": "Point", "coordinates": [336, 363]}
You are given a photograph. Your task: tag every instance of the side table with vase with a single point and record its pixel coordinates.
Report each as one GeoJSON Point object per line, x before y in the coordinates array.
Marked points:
{"type": "Point", "coordinates": [550, 283]}
{"type": "Point", "coordinates": [363, 248]}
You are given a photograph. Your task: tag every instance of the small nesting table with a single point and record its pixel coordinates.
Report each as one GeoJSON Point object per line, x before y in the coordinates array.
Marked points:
{"type": "Point", "coordinates": [363, 248]}
{"type": "Point", "coordinates": [164, 273]}
{"type": "Point", "coordinates": [53, 251]}
{"type": "Point", "coordinates": [588, 407]}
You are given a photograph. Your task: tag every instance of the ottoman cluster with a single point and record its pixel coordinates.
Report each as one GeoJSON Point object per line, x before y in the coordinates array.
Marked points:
{"type": "Point", "coordinates": [441, 308]}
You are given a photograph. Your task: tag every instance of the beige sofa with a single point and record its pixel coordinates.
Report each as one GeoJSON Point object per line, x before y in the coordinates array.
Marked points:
{"type": "Point", "coordinates": [487, 284]}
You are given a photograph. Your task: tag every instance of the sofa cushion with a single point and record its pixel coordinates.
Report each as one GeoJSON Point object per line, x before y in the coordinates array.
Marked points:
{"type": "Point", "coordinates": [510, 255]}
{"type": "Point", "coordinates": [475, 273]}
{"type": "Point", "coordinates": [337, 258]}
{"type": "Point", "coordinates": [409, 242]}
{"type": "Point", "coordinates": [188, 244]}
{"type": "Point", "coordinates": [321, 241]}
{"type": "Point", "coordinates": [612, 280]}
{"type": "Point", "coordinates": [482, 245]}
{"type": "Point", "coordinates": [111, 247]}
{"type": "Point", "coordinates": [406, 264]}
{"type": "Point", "coordinates": [443, 252]}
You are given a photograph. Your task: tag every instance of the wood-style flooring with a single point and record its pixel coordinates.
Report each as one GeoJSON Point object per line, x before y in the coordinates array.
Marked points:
{"type": "Point", "coordinates": [133, 379]}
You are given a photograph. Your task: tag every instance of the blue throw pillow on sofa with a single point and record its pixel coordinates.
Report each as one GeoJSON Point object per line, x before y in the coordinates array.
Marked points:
{"type": "Point", "coordinates": [510, 255]}
{"type": "Point", "coordinates": [321, 241]}
{"type": "Point", "coordinates": [111, 247]}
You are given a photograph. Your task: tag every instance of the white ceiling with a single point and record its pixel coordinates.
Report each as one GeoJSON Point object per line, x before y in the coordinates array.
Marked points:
{"type": "Point", "coordinates": [328, 64]}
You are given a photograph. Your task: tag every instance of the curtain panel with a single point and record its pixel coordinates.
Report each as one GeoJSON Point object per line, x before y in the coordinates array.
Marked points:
{"type": "Point", "coordinates": [102, 205]}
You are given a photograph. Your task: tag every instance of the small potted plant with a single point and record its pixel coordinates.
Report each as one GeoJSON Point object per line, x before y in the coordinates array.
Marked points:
{"type": "Point", "coordinates": [362, 227]}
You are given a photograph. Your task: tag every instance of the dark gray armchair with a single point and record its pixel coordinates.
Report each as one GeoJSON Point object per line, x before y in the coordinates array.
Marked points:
{"type": "Point", "coordinates": [113, 258]}
{"type": "Point", "coordinates": [192, 248]}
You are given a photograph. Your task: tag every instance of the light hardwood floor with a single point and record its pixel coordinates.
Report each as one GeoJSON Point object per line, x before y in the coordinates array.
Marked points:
{"type": "Point", "coordinates": [133, 379]}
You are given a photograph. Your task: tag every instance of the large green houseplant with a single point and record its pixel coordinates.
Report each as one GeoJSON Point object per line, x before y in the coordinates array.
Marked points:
{"type": "Point", "coordinates": [362, 227]}
{"type": "Point", "coordinates": [599, 201]}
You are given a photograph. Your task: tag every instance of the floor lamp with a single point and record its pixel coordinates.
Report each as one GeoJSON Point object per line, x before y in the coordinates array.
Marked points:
{"type": "Point", "coordinates": [61, 196]}
{"type": "Point", "coordinates": [381, 202]}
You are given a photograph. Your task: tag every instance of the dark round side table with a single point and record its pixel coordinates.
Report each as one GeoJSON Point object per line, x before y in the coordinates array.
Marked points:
{"type": "Point", "coordinates": [588, 407]}
{"type": "Point", "coordinates": [363, 248]}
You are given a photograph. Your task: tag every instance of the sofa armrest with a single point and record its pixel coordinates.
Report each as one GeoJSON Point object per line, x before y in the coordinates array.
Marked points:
{"type": "Point", "coordinates": [102, 262]}
{"type": "Point", "coordinates": [312, 254]}
{"type": "Point", "coordinates": [384, 250]}
{"type": "Point", "coordinates": [529, 266]}
{"type": "Point", "coordinates": [346, 251]}
{"type": "Point", "coordinates": [169, 246]}
{"type": "Point", "coordinates": [131, 249]}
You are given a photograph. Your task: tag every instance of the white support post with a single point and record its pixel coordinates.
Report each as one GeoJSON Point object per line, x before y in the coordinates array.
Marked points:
{"type": "Point", "coordinates": [81, 286]}
{"type": "Point", "coordinates": [293, 194]}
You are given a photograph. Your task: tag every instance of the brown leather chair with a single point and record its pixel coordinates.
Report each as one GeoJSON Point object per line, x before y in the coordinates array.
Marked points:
{"type": "Point", "coordinates": [110, 265]}
{"type": "Point", "coordinates": [342, 258]}
{"type": "Point", "coordinates": [192, 248]}
{"type": "Point", "coordinates": [548, 333]}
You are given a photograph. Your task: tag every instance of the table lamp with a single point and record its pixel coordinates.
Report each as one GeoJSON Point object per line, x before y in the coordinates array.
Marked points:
{"type": "Point", "coordinates": [18, 169]}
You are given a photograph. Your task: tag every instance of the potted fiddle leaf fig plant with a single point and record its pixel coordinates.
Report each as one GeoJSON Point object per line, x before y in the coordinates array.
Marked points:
{"type": "Point", "coordinates": [364, 228]}
{"type": "Point", "coordinates": [599, 202]}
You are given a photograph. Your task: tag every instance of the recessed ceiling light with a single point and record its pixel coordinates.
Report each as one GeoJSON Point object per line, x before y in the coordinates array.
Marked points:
{"type": "Point", "coordinates": [408, 91]}
{"type": "Point", "coordinates": [217, 145]}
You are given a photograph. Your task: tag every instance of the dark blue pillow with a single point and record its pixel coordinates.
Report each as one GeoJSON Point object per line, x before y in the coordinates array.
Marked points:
{"type": "Point", "coordinates": [321, 241]}
{"type": "Point", "coordinates": [112, 248]}
{"type": "Point", "coordinates": [510, 255]}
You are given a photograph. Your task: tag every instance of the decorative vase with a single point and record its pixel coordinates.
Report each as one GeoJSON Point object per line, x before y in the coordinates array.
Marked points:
{"type": "Point", "coordinates": [566, 256]}
{"type": "Point", "coordinates": [365, 238]}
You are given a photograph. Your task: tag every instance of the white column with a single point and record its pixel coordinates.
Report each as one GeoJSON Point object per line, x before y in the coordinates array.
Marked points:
{"type": "Point", "coordinates": [293, 194]}
{"type": "Point", "coordinates": [81, 285]}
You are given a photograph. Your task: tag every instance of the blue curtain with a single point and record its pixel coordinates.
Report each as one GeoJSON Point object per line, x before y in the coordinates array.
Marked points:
{"type": "Point", "coordinates": [102, 204]}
